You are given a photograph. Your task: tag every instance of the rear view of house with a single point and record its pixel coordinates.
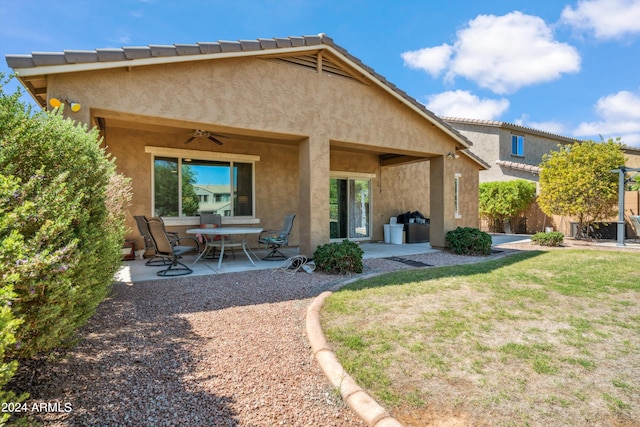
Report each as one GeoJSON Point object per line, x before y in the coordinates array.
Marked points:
{"type": "Point", "coordinates": [254, 130]}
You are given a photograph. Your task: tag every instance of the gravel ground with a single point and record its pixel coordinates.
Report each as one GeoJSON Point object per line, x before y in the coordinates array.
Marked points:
{"type": "Point", "coordinates": [219, 350]}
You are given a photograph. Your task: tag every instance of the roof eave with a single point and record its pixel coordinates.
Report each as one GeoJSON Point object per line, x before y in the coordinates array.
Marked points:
{"type": "Point", "coordinates": [24, 73]}
{"type": "Point", "coordinates": [139, 62]}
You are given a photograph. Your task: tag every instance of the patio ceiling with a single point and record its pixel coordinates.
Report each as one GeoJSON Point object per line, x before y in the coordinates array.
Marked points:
{"type": "Point", "coordinates": [387, 158]}
{"type": "Point", "coordinates": [109, 119]}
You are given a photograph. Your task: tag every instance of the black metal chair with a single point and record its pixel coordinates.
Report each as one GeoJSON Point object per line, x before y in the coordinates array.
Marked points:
{"type": "Point", "coordinates": [149, 244]}
{"type": "Point", "coordinates": [274, 239]}
{"type": "Point", "coordinates": [167, 250]}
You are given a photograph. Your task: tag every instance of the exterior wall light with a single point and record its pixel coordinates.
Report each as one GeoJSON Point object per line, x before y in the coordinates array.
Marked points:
{"type": "Point", "coordinates": [57, 103]}
{"type": "Point", "coordinates": [452, 155]}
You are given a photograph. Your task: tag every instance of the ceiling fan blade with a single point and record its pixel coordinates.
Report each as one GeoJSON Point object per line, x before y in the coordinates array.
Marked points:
{"type": "Point", "coordinates": [190, 139]}
{"type": "Point", "coordinates": [214, 139]}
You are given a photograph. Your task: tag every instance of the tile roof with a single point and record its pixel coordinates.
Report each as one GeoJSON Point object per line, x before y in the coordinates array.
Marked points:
{"type": "Point", "coordinates": [519, 166]}
{"type": "Point", "coordinates": [129, 53]}
{"type": "Point", "coordinates": [507, 125]}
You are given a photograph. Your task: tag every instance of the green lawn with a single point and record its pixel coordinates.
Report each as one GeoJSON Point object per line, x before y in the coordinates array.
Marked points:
{"type": "Point", "coordinates": [537, 338]}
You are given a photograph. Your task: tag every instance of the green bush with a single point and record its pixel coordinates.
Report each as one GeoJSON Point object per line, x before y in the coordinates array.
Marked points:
{"type": "Point", "coordinates": [468, 241]}
{"type": "Point", "coordinates": [61, 224]}
{"type": "Point", "coordinates": [501, 200]}
{"type": "Point", "coordinates": [554, 238]}
{"type": "Point", "coordinates": [339, 258]}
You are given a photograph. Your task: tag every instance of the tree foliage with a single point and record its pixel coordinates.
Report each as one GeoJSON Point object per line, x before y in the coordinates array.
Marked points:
{"type": "Point", "coordinates": [502, 200]}
{"type": "Point", "coordinates": [577, 181]}
{"type": "Point", "coordinates": [61, 225]}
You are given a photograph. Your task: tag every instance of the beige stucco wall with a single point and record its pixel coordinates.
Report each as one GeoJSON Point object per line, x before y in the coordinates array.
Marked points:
{"type": "Point", "coordinates": [316, 115]}
{"type": "Point", "coordinates": [276, 191]}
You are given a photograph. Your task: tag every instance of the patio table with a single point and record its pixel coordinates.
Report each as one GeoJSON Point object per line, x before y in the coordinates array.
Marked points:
{"type": "Point", "coordinates": [226, 231]}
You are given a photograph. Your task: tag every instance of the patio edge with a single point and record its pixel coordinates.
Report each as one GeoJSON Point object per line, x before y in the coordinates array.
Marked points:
{"type": "Point", "coordinates": [356, 398]}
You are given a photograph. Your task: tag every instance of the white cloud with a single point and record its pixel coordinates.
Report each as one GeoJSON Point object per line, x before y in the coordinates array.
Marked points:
{"type": "Point", "coordinates": [608, 19]}
{"type": "Point", "coordinates": [464, 104]}
{"type": "Point", "coordinates": [433, 60]}
{"type": "Point", "coordinates": [620, 116]}
{"type": "Point", "coordinates": [501, 53]}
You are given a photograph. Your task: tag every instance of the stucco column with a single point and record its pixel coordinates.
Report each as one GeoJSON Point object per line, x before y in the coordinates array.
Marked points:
{"type": "Point", "coordinates": [442, 200]}
{"type": "Point", "coordinates": [313, 209]}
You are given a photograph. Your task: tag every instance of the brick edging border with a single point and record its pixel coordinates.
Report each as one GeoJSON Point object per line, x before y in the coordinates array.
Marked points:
{"type": "Point", "coordinates": [355, 397]}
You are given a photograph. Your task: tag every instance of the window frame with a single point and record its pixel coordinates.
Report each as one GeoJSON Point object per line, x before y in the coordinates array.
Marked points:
{"type": "Point", "coordinates": [456, 195]}
{"type": "Point", "coordinates": [517, 142]}
{"type": "Point", "coordinates": [180, 154]}
{"type": "Point", "coordinates": [350, 176]}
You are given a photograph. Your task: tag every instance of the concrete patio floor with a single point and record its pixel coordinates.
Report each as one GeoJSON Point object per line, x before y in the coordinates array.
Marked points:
{"type": "Point", "coordinates": [137, 271]}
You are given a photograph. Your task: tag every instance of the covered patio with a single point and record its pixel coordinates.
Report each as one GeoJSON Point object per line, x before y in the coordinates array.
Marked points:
{"type": "Point", "coordinates": [136, 270]}
{"type": "Point", "coordinates": [254, 130]}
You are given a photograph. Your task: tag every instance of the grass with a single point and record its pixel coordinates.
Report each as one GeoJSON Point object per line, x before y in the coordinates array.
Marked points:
{"type": "Point", "coordinates": [537, 338]}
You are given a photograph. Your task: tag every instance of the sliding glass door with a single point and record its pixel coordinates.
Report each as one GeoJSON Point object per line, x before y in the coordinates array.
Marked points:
{"type": "Point", "coordinates": [349, 210]}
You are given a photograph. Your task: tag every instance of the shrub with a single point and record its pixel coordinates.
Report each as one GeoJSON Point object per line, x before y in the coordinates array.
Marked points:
{"type": "Point", "coordinates": [469, 241]}
{"type": "Point", "coordinates": [503, 200]}
{"type": "Point", "coordinates": [339, 258]}
{"type": "Point", "coordinates": [61, 224]}
{"type": "Point", "coordinates": [554, 238]}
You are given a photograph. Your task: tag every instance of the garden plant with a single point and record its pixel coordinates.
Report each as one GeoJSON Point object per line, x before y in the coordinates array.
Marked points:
{"type": "Point", "coordinates": [61, 229]}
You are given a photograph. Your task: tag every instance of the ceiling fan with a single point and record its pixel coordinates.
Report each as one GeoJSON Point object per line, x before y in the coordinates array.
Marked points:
{"type": "Point", "coordinates": [197, 133]}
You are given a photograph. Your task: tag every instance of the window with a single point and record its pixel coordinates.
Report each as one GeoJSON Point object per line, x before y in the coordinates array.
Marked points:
{"type": "Point", "coordinates": [456, 195]}
{"type": "Point", "coordinates": [517, 145]}
{"type": "Point", "coordinates": [183, 183]}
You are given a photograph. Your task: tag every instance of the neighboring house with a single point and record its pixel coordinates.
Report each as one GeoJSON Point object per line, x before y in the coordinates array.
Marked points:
{"type": "Point", "coordinates": [214, 199]}
{"type": "Point", "coordinates": [295, 124]}
{"type": "Point", "coordinates": [515, 152]}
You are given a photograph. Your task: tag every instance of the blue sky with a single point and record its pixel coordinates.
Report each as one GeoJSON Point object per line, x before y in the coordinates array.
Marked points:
{"type": "Point", "coordinates": [568, 67]}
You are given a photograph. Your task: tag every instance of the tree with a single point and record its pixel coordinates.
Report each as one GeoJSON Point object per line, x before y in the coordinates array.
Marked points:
{"type": "Point", "coordinates": [577, 181]}
{"type": "Point", "coordinates": [503, 200]}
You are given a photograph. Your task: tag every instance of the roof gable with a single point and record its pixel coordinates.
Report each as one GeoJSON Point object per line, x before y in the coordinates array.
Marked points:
{"type": "Point", "coordinates": [317, 51]}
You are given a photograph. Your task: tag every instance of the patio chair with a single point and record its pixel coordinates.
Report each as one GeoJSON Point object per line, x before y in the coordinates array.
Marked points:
{"type": "Point", "coordinates": [274, 239]}
{"type": "Point", "coordinates": [167, 250]}
{"type": "Point", "coordinates": [214, 242]}
{"type": "Point", "coordinates": [149, 244]}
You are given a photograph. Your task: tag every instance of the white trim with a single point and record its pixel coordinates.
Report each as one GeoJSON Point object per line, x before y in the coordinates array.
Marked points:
{"type": "Point", "coordinates": [200, 155]}
{"type": "Point", "coordinates": [352, 175]}
{"type": "Point", "coordinates": [456, 195]}
{"type": "Point", "coordinates": [195, 220]}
